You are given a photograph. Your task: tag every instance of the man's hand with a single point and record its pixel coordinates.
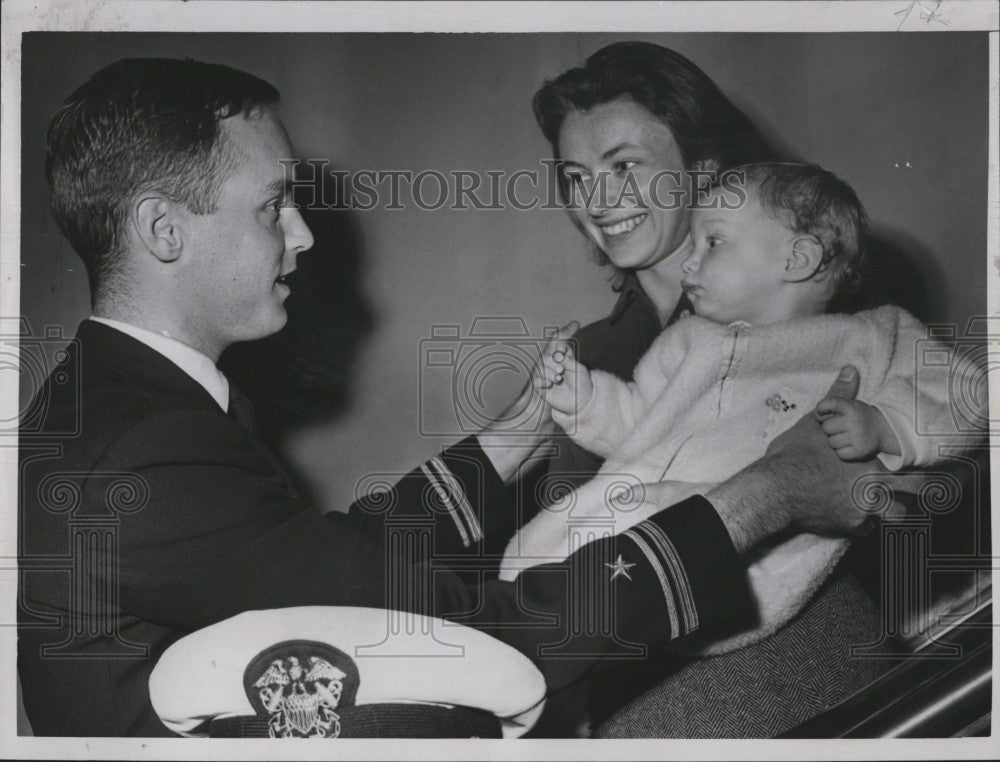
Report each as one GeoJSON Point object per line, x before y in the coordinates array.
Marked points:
{"type": "Point", "coordinates": [799, 483]}
{"type": "Point", "coordinates": [820, 482]}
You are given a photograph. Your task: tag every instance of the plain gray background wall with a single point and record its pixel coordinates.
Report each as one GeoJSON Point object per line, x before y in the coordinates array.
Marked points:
{"type": "Point", "coordinates": [902, 117]}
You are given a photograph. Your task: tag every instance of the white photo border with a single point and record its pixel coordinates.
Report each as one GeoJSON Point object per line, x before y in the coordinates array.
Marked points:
{"type": "Point", "coordinates": [20, 16]}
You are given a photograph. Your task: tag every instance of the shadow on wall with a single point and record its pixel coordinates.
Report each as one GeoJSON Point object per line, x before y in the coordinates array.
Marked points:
{"type": "Point", "coordinates": [303, 374]}
{"type": "Point", "coordinates": [898, 270]}
{"type": "Point", "coordinates": [898, 267]}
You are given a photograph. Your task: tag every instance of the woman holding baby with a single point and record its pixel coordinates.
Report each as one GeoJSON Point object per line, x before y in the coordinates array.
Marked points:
{"type": "Point", "coordinates": [635, 127]}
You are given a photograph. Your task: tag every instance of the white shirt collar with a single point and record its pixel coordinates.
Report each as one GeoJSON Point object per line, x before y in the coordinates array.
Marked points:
{"type": "Point", "coordinates": [200, 367]}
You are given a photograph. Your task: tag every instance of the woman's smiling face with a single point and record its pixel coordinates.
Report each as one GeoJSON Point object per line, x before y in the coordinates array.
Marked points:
{"type": "Point", "coordinates": [627, 186]}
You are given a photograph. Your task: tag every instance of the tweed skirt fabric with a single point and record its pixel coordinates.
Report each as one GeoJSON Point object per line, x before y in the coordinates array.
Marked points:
{"type": "Point", "coordinates": [756, 692]}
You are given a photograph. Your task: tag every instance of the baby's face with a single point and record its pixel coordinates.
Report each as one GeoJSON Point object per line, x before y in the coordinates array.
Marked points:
{"type": "Point", "coordinates": [738, 263]}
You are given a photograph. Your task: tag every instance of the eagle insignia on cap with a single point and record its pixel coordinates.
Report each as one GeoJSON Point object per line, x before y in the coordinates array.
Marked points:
{"type": "Point", "coordinates": [300, 691]}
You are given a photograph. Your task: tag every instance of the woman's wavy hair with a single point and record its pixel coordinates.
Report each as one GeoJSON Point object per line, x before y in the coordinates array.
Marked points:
{"type": "Point", "coordinates": [705, 124]}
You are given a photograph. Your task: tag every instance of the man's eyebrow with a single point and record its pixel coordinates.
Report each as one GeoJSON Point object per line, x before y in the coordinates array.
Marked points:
{"type": "Point", "coordinates": [278, 185]}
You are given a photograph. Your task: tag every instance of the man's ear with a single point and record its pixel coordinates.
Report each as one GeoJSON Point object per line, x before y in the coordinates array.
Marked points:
{"type": "Point", "coordinates": [803, 260]}
{"type": "Point", "coordinates": [157, 223]}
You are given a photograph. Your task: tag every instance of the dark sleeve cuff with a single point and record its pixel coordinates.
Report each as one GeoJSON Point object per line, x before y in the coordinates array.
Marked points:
{"type": "Point", "coordinates": [691, 555]}
{"type": "Point", "coordinates": [458, 491]}
{"type": "Point", "coordinates": [493, 513]}
{"type": "Point", "coordinates": [615, 596]}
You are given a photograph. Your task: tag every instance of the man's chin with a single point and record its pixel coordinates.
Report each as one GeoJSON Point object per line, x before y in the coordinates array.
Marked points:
{"type": "Point", "coordinates": [267, 327]}
{"type": "Point", "coordinates": [279, 322]}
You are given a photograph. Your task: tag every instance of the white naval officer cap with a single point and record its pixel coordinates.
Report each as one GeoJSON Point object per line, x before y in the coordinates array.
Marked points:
{"type": "Point", "coordinates": [340, 671]}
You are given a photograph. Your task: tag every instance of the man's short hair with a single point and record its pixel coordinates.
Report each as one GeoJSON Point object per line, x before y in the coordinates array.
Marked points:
{"type": "Point", "coordinates": [810, 200]}
{"type": "Point", "coordinates": [142, 124]}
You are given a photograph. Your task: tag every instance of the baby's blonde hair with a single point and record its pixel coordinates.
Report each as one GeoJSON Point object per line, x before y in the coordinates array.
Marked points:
{"type": "Point", "coordinates": [811, 200]}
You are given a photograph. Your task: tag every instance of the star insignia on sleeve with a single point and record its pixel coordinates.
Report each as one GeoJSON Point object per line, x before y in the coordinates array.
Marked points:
{"type": "Point", "coordinates": [620, 568]}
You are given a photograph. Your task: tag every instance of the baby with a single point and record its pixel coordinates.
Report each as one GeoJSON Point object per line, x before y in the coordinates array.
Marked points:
{"type": "Point", "coordinates": [715, 388]}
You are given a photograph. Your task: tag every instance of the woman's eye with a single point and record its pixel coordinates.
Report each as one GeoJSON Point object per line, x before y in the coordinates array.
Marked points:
{"type": "Point", "coordinates": [624, 166]}
{"type": "Point", "coordinates": [713, 242]}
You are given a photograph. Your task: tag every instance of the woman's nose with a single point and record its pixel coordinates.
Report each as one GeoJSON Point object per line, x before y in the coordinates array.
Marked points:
{"type": "Point", "coordinates": [605, 194]}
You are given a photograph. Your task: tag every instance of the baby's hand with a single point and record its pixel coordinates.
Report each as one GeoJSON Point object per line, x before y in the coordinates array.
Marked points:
{"type": "Point", "coordinates": [564, 383]}
{"type": "Point", "coordinates": [855, 430]}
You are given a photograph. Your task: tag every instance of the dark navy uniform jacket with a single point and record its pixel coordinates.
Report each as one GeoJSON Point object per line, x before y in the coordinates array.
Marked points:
{"type": "Point", "coordinates": [147, 513]}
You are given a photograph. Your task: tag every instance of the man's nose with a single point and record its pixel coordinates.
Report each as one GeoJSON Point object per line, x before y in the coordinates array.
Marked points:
{"type": "Point", "coordinates": [298, 237]}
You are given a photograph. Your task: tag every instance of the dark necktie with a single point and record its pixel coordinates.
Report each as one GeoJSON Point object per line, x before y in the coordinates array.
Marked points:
{"type": "Point", "coordinates": [241, 409]}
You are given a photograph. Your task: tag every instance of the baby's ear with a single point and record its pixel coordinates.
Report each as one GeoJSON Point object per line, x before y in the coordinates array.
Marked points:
{"type": "Point", "coordinates": [803, 260]}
